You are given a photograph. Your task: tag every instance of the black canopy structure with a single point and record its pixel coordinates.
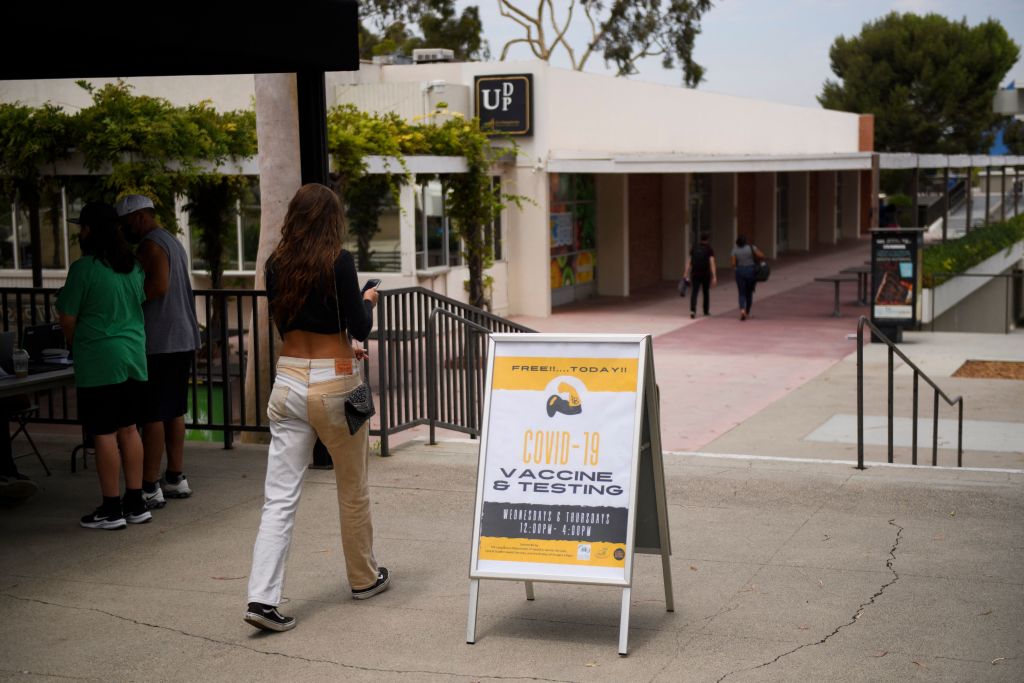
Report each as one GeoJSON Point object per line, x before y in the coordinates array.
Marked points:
{"type": "Point", "coordinates": [187, 37]}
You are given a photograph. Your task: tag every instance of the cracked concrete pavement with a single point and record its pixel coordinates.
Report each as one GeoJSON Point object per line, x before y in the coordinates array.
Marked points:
{"type": "Point", "coordinates": [781, 571]}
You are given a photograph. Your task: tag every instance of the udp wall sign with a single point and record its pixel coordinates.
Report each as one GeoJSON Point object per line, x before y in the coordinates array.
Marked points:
{"type": "Point", "coordinates": [504, 104]}
{"type": "Point", "coordinates": [570, 421]}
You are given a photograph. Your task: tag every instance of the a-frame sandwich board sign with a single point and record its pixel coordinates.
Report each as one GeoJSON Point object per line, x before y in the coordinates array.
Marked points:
{"type": "Point", "coordinates": [570, 479]}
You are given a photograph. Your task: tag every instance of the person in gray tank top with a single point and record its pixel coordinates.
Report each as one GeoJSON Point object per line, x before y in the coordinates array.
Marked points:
{"type": "Point", "coordinates": [172, 337]}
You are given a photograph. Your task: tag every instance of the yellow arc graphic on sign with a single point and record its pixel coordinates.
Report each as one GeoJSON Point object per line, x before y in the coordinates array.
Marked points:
{"type": "Point", "coordinates": [534, 374]}
{"type": "Point", "coordinates": [600, 554]}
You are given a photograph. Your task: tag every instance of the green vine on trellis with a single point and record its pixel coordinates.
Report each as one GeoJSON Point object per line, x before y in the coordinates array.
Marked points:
{"type": "Point", "coordinates": [471, 202]}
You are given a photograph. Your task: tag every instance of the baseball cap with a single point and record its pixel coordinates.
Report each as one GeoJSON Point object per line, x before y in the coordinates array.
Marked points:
{"type": "Point", "coordinates": [132, 203]}
{"type": "Point", "coordinates": [95, 213]}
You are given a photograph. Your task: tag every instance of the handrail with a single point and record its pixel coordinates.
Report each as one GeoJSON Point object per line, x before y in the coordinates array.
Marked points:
{"type": "Point", "coordinates": [404, 338]}
{"type": "Point", "coordinates": [432, 384]}
{"type": "Point", "coordinates": [958, 401]}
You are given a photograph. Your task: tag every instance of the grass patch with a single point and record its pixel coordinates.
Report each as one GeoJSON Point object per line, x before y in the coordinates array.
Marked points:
{"type": "Point", "coordinates": [943, 261]}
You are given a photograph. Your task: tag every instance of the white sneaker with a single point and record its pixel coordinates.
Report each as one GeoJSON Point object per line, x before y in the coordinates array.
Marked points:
{"type": "Point", "coordinates": [155, 500]}
{"type": "Point", "coordinates": [179, 490]}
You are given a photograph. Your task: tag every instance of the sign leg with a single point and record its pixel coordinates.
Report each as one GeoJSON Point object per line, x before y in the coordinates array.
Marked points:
{"type": "Point", "coordinates": [624, 624]}
{"type": "Point", "coordinates": [529, 590]}
{"type": "Point", "coordinates": [666, 570]}
{"type": "Point", "coordinates": [474, 599]}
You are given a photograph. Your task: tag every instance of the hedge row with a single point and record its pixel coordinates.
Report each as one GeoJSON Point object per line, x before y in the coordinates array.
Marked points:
{"type": "Point", "coordinates": [941, 261]}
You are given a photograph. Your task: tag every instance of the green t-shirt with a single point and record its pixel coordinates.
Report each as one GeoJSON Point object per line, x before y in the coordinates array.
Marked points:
{"type": "Point", "coordinates": [109, 345]}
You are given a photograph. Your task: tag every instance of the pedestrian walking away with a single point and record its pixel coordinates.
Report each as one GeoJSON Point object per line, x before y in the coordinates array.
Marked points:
{"type": "Point", "coordinates": [322, 315]}
{"type": "Point", "coordinates": [702, 273]}
{"type": "Point", "coordinates": [744, 261]}
{"type": "Point", "coordinates": [172, 337]}
{"type": "Point", "coordinates": [100, 308]}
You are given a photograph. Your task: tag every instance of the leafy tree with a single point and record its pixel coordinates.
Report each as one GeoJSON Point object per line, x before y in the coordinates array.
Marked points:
{"type": "Point", "coordinates": [929, 81]}
{"type": "Point", "coordinates": [622, 31]}
{"type": "Point", "coordinates": [388, 27]}
{"type": "Point", "coordinates": [155, 148]}
{"type": "Point", "coordinates": [30, 138]}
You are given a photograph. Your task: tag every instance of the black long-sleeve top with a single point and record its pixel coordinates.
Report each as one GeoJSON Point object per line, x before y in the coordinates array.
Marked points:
{"type": "Point", "coordinates": [320, 314]}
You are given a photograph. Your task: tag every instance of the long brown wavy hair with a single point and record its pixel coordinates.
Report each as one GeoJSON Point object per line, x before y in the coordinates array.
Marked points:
{"type": "Point", "coordinates": [303, 260]}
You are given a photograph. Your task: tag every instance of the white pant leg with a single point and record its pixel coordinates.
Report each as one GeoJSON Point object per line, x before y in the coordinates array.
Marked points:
{"type": "Point", "coordinates": [291, 446]}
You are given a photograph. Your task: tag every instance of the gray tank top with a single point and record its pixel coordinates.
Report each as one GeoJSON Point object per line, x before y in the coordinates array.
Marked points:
{"type": "Point", "coordinates": [171, 325]}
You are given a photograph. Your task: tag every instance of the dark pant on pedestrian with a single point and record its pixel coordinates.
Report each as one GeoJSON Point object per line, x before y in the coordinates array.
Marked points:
{"type": "Point", "coordinates": [746, 280]}
{"type": "Point", "coordinates": [702, 282]}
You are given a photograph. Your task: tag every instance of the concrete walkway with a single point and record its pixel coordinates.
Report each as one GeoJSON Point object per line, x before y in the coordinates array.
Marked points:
{"type": "Point", "coordinates": [788, 563]}
{"type": "Point", "coordinates": [781, 572]}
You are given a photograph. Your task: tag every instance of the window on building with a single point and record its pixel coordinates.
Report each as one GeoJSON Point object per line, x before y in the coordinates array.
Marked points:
{"type": "Point", "coordinates": [573, 225]}
{"type": "Point", "coordinates": [7, 243]}
{"type": "Point", "coordinates": [839, 202]}
{"type": "Point", "coordinates": [700, 206]}
{"type": "Point", "coordinates": [241, 239]}
{"type": "Point", "coordinates": [492, 233]}
{"type": "Point", "coordinates": [52, 232]}
{"type": "Point", "coordinates": [436, 243]}
{"type": "Point", "coordinates": [782, 211]}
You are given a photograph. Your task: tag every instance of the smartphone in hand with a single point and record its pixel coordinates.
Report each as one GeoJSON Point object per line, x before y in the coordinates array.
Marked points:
{"type": "Point", "coordinates": [372, 283]}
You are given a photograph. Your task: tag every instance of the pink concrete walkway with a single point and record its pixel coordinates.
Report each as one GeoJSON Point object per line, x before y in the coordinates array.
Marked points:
{"type": "Point", "coordinates": [715, 372]}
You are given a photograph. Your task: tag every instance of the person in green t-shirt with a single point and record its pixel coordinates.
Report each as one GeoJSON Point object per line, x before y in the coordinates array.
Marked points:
{"type": "Point", "coordinates": [100, 309]}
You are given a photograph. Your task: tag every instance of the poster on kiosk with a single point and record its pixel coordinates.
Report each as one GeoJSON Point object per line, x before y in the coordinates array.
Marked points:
{"type": "Point", "coordinates": [570, 475]}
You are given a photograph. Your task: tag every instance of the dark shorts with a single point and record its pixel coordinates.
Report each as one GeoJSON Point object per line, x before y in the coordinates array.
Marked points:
{"type": "Point", "coordinates": [166, 392]}
{"type": "Point", "coordinates": [104, 410]}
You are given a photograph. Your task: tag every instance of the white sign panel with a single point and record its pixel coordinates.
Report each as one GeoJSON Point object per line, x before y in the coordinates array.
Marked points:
{"type": "Point", "coordinates": [557, 479]}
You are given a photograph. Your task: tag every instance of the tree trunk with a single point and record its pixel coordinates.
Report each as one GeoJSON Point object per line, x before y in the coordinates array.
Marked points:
{"type": "Point", "coordinates": [277, 134]}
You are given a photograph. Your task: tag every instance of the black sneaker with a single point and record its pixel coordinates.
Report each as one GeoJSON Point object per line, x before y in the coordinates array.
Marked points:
{"type": "Point", "coordinates": [103, 519]}
{"type": "Point", "coordinates": [268, 618]}
{"type": "Point", "coordinates": [15, 487]}
{"type": "Point", "coordinates": [383, 581]}
{"type": "Point", "coordinates": [138, 516]}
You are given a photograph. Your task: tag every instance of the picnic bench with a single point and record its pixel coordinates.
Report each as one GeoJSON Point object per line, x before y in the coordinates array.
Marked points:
{"type": "Point", "coordinates": [837, 280]}
{"type": "Point", "coordinates": [862, 273]}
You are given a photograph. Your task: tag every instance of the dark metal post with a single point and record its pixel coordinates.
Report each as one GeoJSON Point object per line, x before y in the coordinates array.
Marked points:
{"type": "Point", "coordinates": [913, 455]}
{"type": "Point", "coordinates": [945, 202]}
{"type": "Point", "coordinates": [432, 375]}
{"type": "Point", "coordinates": [312, 100]}
{"type": "Point", "coordinates": [960, 435]}
{"type": "Point", "coordinates": [935, 430]}
{"type": "Point", "coordinates": [914, 192]}
{"type": "Point", "coordinates": [1002, 193]}
{"type": "Point", "coordinates": [225, 372]}
{"type": "Point", "coordinates": [860, 394]}
{"type": "Point", "coordinates": [890, 403]}
{"type": "Point", "coordinates": [970, 199]}
{"type": "Point", "coordinates": [988, 191]}
{"type": "Point", "coordinates": [383, 388]}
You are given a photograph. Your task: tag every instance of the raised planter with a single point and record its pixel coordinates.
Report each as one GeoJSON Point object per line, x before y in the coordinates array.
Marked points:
{"type": "Point", "coordinates": [938, 300]}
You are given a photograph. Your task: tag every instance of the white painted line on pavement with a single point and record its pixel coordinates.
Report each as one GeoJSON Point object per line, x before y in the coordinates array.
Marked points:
{"type": "Point", "coordinates": [848, 463]}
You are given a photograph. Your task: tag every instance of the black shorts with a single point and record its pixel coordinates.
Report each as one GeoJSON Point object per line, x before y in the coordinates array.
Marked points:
{"type": "Point", "coordinates": [104, 410]}
{"type": "Point", "coordinates": [166, 392]}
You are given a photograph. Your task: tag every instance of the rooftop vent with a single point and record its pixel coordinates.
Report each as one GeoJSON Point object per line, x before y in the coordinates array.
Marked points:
{"type": "Point", "coordinates": [432, 55]}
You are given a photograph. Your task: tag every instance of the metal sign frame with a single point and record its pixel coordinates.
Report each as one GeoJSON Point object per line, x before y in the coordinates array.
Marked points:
{"type": "Point", "coordinates": [646, 448]}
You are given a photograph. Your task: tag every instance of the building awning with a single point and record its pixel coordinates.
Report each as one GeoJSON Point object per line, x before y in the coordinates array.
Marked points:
{"type": "Point", "coordinates": [584, 162]}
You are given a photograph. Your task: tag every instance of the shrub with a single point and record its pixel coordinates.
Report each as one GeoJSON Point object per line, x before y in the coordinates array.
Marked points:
{"type": "Point", "coordinates": [942, 261]}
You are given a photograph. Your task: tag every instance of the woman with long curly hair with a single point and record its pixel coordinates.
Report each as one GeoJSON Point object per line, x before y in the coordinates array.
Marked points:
{"type": "Point", "coordinates": [318, 308]}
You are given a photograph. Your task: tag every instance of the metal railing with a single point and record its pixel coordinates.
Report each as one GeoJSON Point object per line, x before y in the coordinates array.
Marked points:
{"type": "Point", "coordinates": [423, 362]}
{"type": "Point", "coordinates": [893, 351]}
{"type": "Point", "coordinates": [218, 400]}
{"type": "Point", "coordinates": [216, 390]}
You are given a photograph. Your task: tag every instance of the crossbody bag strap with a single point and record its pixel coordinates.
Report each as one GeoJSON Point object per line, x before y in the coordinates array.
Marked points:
{"type": "Point", "coordinates": [337, 312]}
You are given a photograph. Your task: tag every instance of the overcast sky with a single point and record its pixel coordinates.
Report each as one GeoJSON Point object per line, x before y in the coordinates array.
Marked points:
{"type": "Point", "coordinates": [772, 49]}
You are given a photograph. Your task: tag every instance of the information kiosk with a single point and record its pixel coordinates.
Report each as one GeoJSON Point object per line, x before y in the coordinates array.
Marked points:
{"type": "Point", "coordinates": [570, 481]}
{"type": "Point", "coordinates": [895, 279]}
